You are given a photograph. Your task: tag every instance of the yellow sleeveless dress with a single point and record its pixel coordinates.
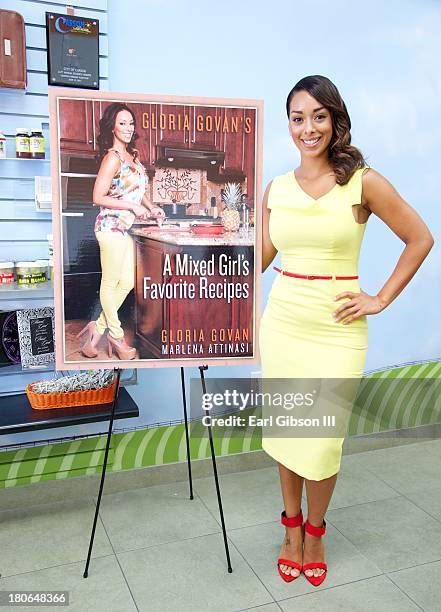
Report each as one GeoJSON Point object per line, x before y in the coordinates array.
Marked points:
{"type": "Point", "coordinates": [298, 336]}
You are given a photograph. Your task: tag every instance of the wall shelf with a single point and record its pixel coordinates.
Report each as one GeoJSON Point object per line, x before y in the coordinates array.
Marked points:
{"type": "Point", "coordinates": [24, 159]}
{"type": "Point", "coordinates": [39, 291]}
{"type": "Point", "coordinates": [17, 368]}
{"type": "Point", "coordinates": [17, 415]}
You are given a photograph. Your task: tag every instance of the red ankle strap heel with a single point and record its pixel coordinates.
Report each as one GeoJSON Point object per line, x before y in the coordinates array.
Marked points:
{"type": "Point", "coordinates": [294, 521]}
{"type": "Point", "coordinates": [318, 532]}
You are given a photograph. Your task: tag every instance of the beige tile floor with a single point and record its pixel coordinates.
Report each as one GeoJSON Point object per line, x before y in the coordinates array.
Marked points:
{"type": "Point", "coordinates": [157, 550]}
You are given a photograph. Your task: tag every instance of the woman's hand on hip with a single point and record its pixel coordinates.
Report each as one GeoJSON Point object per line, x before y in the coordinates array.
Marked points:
{"type": "Point", "coordinates": [359, 304]}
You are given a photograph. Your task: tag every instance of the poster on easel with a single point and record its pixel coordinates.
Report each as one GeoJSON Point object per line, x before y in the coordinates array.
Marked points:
{"type": "Point", "coordinates": [157, 227]}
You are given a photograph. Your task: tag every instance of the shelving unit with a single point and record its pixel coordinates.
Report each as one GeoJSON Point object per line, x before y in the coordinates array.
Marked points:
{"type": "Point", "coordinates": [23, 231]}
{"type": "Point", "coordinates": [24, 159]}
{"type": "Point", "coordinates": [13, 369]}
{"type": "Point", "coordinates": [38, 291]}
{"type": "Point", "coordinates": [17, 416]}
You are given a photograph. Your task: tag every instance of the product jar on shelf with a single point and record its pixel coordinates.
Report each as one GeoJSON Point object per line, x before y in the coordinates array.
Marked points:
{"type": "Point", "coordinates": [36, 144]}
{"type": "Point", "coordinates": [22, 144]}
{"type": "Point", "coordinates": [6, 272]}
{"type": "Point", "coordinates": [31, 272]}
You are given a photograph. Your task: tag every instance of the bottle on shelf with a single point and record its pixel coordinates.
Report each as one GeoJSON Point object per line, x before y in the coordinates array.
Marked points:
{"type": "Point", "coordinates": [36, 144]}
{"type": "Point", "coordinates": [22, 145]}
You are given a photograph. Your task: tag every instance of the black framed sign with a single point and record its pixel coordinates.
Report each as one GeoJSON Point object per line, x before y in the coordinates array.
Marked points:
{"type": "Point", "coordinates": [36, 334]}
{"type": "Point", "coordinates": [72, 51]}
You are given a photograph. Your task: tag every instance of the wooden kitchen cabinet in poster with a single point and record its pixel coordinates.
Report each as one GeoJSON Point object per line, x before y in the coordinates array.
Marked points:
{"type": "Point", "coordinates": [190, 294]}
{"type": "Point", "coordinates": [77, 126]}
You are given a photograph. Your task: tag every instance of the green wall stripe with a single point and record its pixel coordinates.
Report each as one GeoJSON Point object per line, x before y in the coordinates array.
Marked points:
{"type": "Point", "coordinates": [96, 459]}
{"type": "Point", "coordinates": [121, 449]}
{"type": "Point", "coordinates": [161, 447]}
{"type": "Point", "coordinates": [14, 467]}
{"type": "Point", "coordinates": [203, 449]}
{"type": "Point", "coordinates": [182, 448]}
{"type": "Point", "coordinates": [146, 445]}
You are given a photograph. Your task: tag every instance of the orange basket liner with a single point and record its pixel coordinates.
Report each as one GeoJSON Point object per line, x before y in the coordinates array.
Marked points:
{"type": "Point", "coordinates": [45, 401]}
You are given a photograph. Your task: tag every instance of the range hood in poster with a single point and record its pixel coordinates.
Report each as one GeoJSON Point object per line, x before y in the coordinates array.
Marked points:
{"type": "Point", "coordinates": [189, 158]}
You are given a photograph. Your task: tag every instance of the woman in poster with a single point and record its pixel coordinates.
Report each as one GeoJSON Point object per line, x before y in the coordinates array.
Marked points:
{"type": "Point", "coordinates": [120, 191]}
{"type": "Point", "coordinates": [315, 216]}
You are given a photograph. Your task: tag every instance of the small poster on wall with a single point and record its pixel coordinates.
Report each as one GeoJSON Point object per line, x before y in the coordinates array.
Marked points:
{"type": "Point", "coordinates": [156, 217]}
{"type": "Point", "coordinates": [36, 335]}
{"type": "Point", "coordinates": [72, 50]}
{"type": "Point", "coordinates": [9, 342]}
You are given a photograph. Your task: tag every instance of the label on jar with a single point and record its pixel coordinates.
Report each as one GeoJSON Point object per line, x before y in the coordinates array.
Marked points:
{"type": "Point", "coordinates": [22, 144]}
{"type": "Point", "coordinates": [6, 277]}
{"type": "Point", "coordinates": [31, 278]}
{"type": "Point", "coordinates": [36, 144]}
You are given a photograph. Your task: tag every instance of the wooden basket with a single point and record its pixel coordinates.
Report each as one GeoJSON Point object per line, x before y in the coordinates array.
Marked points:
{"type": "Point", "coordinates": [45, 401]}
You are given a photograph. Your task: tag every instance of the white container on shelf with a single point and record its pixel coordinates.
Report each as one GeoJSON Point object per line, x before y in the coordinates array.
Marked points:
{"type": "Point", "coordinates": [50, 239]}
{"type": "Point", "coordinates": [2, 146]}
{"type": "Point", "coordinates": [45, 263]}
{"type": "Point", "coordinates": [7, 275]}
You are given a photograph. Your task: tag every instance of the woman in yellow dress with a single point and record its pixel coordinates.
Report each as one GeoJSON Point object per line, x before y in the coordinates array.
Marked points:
{"type": "Point", "coordinates": [315, 216]}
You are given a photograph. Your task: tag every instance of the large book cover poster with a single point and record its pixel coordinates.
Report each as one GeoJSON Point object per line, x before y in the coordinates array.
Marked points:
{"type": "Point", "coordinates": [157, 221]}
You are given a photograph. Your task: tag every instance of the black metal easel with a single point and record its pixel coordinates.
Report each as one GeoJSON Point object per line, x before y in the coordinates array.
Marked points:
{"type": "Point", "coordinates": [103, 472]}
{"type": "Point", "coordinates": [216, 480]}
{"type": "Point", "coordinates": [187, 439]}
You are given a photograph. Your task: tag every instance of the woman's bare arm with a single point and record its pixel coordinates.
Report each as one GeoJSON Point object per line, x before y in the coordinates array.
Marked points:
{"type": "Point", "coordinates": [269, 251]}
{"type": "Point", "coordinates": [383, 200]}
{"type": "Point", "coordinates": [154, 210]}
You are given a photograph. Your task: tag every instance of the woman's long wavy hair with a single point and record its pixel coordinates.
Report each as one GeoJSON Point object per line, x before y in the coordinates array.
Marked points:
{"type": "Point", "coordinates": [107, 125]}
{"type": "Point", "coordinates": [344, 158]}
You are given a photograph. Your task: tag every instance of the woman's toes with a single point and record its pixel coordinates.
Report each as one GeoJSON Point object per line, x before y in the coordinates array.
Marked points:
{"type": "Point", "coordinates": [295, 572]}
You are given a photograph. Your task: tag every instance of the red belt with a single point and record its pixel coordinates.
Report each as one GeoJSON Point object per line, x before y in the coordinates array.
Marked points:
{"type": "Point", "coordinates": [311, 277]}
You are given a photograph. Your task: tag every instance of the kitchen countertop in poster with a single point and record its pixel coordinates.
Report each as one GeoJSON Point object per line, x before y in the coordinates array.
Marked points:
{"type": "Point", "coordinates": [187, 238]}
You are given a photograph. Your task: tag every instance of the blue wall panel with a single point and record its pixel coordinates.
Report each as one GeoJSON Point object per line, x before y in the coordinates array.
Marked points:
{"type": "Point", "coordinates": [23, 230]}
{"type": "Point", "coordinates": [34, 13]}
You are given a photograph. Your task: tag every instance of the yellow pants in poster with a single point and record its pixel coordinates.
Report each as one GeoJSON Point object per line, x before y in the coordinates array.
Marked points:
{"type": "Point", "coordinates": [117, 278]}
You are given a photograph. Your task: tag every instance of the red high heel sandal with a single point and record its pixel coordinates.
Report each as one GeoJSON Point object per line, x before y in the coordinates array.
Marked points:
{"type": "Point", "coordinates": [295, 521]}
{"type": "Point", "coordinates": [318, 532]}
